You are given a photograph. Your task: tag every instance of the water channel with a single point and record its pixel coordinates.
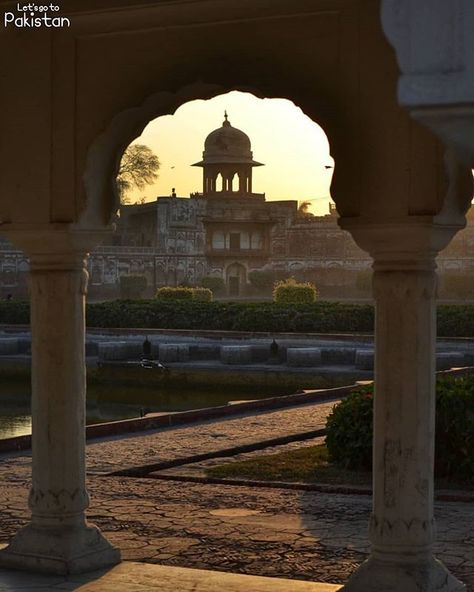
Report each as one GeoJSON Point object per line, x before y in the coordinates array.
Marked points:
{"type": "Point", "coordinates": [111, 403]}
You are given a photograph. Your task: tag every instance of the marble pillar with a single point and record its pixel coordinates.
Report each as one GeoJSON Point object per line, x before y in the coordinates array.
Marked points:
{"type": "Point", "coordinates": [58, 539]}
{"type": "Point", "coordinates": [402, 525]}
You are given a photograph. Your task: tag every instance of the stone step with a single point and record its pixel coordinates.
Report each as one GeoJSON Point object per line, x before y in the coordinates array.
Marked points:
{"type": "Point", "coordinates": [147, 577]}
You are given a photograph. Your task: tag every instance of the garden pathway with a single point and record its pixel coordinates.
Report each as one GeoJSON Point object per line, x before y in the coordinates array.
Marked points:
{"type": "Point", "coordinates": [260, 531]}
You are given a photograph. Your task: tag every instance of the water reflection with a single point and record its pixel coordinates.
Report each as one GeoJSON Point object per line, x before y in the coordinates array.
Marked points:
{"type": "Point", "coordinates": [14, 425]}
{"type": "Point", "coordinates": [110, 403]}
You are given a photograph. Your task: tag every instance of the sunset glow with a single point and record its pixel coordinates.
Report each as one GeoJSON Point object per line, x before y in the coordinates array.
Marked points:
{"type": "Point", "coordinates": [293, 148]}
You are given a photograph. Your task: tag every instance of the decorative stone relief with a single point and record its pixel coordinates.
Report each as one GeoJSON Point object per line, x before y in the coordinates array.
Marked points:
{"type": "Point", "coordinates": [413, 532]}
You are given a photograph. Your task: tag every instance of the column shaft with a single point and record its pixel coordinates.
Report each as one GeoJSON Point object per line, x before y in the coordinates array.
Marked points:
{"type": "Point", "coordinates": [402, 523]}
{"type": "Point", "coordinates": [58, 539]}
{"type": "Point", "coordinates": [404, 414]}
{"type": "Point", "coordinates": [58, 490]}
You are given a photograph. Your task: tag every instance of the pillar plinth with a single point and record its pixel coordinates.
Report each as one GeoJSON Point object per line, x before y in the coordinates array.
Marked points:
{"type": "Point", "coordinates": [402, 526]}
{"type": "Point", "coordinates": [58, 538]}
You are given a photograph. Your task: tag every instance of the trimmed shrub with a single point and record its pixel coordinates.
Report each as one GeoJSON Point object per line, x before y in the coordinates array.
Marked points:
{"type": "Point", "coordinates": [455, 321]}
{"type": "Point", "coordinates": [349, 429]}
{"type": "Point", "coordinates": [291, 292]}
{"type": "Point", "coordinates": [132, 286]}
{"type": "Point", "coordinates": [455, 428]}
{"type": "Point", "coordinates": [215, 284]}
{"type": "Point", "coordinates": [169, 293]}
{"type": "Point", "coordinates": [202, 294]}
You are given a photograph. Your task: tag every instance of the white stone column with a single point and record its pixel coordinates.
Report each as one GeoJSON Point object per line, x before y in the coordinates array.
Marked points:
{"type": "Point", "coordinates": [402, 526]}
{"type": "Point", "coordinates": [58, 539]}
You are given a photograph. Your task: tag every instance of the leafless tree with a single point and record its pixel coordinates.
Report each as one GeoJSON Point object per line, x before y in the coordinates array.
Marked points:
{"type": "Point", "coordinates": [138, 168]}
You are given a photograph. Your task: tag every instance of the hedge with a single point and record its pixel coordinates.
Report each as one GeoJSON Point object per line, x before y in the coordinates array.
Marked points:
{"type": "Point", "coordinates": [349, 429]}
{"type": "Point", "coordinates": [172, 294]}
{"type": "Point", "coordinates": [292, 292]}
{"type": "Point", "coordinates": [168, 293]}
{"type": "Point", "coordinates": [320, 317]}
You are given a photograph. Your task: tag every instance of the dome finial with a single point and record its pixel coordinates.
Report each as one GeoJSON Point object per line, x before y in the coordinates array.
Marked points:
{"type": "Point", "coordinates": [226, 122]}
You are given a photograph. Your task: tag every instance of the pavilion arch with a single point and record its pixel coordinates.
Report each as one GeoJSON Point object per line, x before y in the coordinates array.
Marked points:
{"type": "Point", "coordinates": [104, 155]}
{"type": "Point", "coordinates": [96, 85]}
{"type": "Point", "coordinates": [374, 142]}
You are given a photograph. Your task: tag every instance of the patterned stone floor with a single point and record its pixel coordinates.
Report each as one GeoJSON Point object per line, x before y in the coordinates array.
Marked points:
{"type": "Point", "coordinates": [259, 531]}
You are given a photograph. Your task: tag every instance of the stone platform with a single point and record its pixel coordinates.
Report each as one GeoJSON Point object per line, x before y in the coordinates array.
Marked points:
{"type": "Point", "coordinates": [144, 577]}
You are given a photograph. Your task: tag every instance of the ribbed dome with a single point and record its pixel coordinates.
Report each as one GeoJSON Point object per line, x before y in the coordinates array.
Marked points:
{"type": "Point", "coordinates": [227, 144]}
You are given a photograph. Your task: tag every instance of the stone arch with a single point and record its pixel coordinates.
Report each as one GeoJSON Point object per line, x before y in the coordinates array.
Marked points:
{"type": "Point", "coordinates": [236, 278]}
{"type": "Point", "coordinates": [103, 156]}
{"type": "Point", "coordinates": [220, 182]}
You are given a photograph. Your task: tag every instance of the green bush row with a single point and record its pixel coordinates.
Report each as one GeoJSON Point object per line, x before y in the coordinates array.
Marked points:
{"type": "Point", "coordinates": [231, 316]}
{"type": "Point", "coordinates": [320, 317]}
{"type": "Point", "coordinates": [349, 429]}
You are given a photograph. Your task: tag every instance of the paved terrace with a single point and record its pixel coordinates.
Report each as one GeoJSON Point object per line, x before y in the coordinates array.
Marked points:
{"type": "Point", "coordinates": [304, 535]}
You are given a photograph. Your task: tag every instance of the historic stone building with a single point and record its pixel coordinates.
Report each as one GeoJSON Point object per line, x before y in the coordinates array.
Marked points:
{"type": "Point", "coordinates": [228, 231]}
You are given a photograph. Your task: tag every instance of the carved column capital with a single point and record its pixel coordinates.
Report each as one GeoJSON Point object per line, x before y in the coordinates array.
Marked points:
{"type": "Point", "coordinates": [58, 276]}
{"type": "Point", "coordinates": [408, 244]}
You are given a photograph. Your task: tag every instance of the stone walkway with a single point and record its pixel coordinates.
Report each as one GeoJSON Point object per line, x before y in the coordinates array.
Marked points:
{"type": "Point", "coordinates": [264, 531]}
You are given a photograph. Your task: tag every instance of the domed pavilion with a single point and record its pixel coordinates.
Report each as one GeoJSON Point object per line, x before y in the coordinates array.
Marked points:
{"type": "Point", "coordinates": [227, 155]}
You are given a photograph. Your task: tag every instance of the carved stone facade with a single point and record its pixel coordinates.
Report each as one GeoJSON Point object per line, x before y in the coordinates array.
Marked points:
{"type": "Point", "coordinates": [177, 240]}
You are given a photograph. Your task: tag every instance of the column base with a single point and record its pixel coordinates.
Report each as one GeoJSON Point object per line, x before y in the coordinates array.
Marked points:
{"type": "Point", "coordinates": [59, 550]}
{"type": "Point", "coordinates": [375, 575]}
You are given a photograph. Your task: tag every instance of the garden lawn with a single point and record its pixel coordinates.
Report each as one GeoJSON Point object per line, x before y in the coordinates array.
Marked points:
{"type": "Point", "coordinates": [306, 465]}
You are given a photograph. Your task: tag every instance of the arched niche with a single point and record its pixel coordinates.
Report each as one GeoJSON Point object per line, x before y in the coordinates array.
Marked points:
{"type": "Point", "coordinates": [103, 157]}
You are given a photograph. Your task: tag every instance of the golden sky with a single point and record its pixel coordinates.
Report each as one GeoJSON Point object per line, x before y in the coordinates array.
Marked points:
{"type": "Point", "coordinates": [293, 148]}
